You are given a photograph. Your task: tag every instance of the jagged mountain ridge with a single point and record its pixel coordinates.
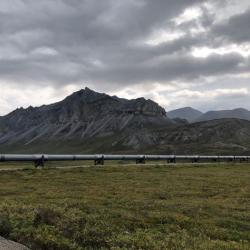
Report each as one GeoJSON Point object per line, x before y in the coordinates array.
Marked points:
{"type": "Point", "coordinates": [91, 122]}
{"type": "Point", "coordinates": [83, 114]}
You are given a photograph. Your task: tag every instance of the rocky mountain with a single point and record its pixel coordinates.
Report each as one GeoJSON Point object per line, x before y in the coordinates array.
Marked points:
{"type": "Point", "coordinates": [239, 113]}
{"type": "Point", "coordinates": [186, 113]}
{"type": "Point", "coordinates": [91, 122]}
{"type": "Point", "coordinates": [84, 114]}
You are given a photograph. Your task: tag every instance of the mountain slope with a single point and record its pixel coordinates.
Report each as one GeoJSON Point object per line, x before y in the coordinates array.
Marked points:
{"type": "Point", "coordinates": [186, 113]}
{"type": "Point", "coordinates": [239, 113]}
{"type": "Point", "coordinates": [224, 136]}
{"type": "Point", "coordinates": [218, 137]}
{"type": "Point", "coordinates": [84, 114]}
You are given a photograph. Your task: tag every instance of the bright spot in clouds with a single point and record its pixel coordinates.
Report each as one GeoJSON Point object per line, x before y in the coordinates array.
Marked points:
{"type": "Point", "coordinates": [44, 51]}
{"type": "Point", "coordinates": [162, 36]}
{"type": "Point", "coordinates": [203, 52]}
{"type": "Point", "coordinates": [188, 15]}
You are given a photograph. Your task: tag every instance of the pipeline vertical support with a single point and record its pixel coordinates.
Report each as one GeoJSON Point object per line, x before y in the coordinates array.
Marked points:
{"type": "Point", "coordinates": [172, 160]}
{"type": "Point", "coordinates": [2, 158]}
{"type": "Point", "coordinates": [242, 160]}
{"type": "Point", "coordinates": [194, 160]}
{"type": "Point", "coordinates": [234, 159]}
{"type": "Point", "coordinates": [141, 160]}
{"type": "Point", "coordinates": [40, 162]}
{"type": "Point", "coordinates": [99, 161]}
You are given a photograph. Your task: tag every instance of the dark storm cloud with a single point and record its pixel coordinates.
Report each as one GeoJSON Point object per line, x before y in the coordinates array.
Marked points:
{"type": "Point", "coordinates": [105, 42]}
{"type": "Point", "coordinates": [88, 38]}
{"type": "Point", "coordinates": [235, 29]}
{"type": "Point", "coordinates": [171, 68]}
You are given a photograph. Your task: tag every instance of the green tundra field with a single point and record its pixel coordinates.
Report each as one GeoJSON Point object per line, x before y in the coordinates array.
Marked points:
{"type": "Point", "coordinates": [127, 207]}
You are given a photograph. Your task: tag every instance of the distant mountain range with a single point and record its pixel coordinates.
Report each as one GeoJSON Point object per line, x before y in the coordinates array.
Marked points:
{"type": "Point", "coordinates": [92, 122]}
{"type": "Point", "coordinates": [193, 115]}
{"type": "Point", "coordinates": [239, 113]}
{"type": "Point", "coordinates": [186, 113]}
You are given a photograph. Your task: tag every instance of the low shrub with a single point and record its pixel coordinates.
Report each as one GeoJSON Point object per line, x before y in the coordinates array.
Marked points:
{"type": "Point", "coordinates": [5, 226]}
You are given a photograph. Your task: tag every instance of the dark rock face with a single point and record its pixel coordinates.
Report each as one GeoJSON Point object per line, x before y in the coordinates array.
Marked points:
{"type": "Point", "coordinates": [84, 114]}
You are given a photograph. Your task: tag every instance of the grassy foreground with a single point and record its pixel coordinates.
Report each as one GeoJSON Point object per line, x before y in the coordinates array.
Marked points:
{"type": "Point", "coordinates": [127, 207]}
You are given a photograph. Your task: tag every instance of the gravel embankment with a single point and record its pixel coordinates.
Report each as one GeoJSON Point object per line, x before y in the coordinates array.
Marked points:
{"type": "Point", "coordinates": [10, 245]}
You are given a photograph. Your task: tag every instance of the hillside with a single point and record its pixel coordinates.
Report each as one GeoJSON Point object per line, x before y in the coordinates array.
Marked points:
{"type": "Point", "coordinates": [226, 136]}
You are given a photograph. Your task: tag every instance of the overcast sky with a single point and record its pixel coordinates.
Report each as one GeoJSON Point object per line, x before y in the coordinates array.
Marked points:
{"type": "Point", "coordinates": [176, 52]}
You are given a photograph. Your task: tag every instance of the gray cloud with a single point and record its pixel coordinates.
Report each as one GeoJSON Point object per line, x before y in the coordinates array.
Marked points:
{"type": "Point", "coordinates": [85, 34]}
{"type": "Point", "coordinates": [236, 29]}
{"type": "Point", "coordinates": [106, 43]}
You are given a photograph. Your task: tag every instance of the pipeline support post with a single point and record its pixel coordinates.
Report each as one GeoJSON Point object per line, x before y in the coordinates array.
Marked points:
{"type": "Point", "coordinates": [141, 160]}
{"type": "Point", "coordinates": [172, 160]}
{"type": "Point", "coordinates": [195, 160]}
{"type": "Point", "coordinates": [242, 160]}
{"type": "Point", "coordinates": [99, 161]}
{"type": "Point", "coordinates": [40, 162]}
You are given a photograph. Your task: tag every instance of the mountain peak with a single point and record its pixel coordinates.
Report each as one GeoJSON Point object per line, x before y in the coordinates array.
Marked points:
{"type": "Point", "coordinates": [241, 110]}
{"type": "Point", "coordinates": [85, 95]}
{"type": "Point", "coordinates": [86, 90]}
{"type": "Point", "coordinates": [188, 113]}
